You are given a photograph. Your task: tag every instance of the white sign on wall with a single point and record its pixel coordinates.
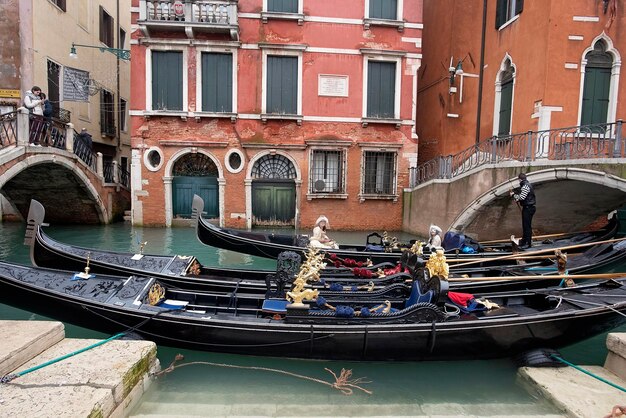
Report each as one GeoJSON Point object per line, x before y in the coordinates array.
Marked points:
{"type": "Point", "coordinates": [332, 85]}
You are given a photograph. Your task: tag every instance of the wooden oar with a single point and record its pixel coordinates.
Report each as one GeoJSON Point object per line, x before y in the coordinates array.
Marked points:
{"type": "Point", "coordinates": [546, 250]}
{"type": "Point", "coordinates": [561, 234]}
{"type": "Point", "coordinates": [601, 276]}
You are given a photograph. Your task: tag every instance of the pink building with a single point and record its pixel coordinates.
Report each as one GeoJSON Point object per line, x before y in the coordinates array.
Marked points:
{"type": "Point", "coordinates": [274, 111]}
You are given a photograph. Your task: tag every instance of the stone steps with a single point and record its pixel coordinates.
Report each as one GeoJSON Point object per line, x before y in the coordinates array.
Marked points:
{"type": "Point", "coordinates": [127, 216]}
{"type": "Point", "coordinates": [107, 380]}
{"type": "Point", "coordinates": [577, 393]}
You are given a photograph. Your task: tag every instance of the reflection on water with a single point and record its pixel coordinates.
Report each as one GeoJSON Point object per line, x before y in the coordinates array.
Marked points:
{"type": "Point", "coordinates": [413, 388]}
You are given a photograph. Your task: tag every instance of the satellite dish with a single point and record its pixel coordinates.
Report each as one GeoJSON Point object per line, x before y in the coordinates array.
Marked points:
{"type": "Point", "coordinates": [320, 185]}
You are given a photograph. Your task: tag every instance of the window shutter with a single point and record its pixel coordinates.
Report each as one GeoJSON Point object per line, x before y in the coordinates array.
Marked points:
{"type": "Point", "coordinates": [282, 85]}
{"type": "Point", "coordinates": [383, 9]}
{"type": "Point", "coordinates": [217, 82]}
{"type": "Point", "coordinates": [500, 13]}
{"type": "Point", "coordinates": [101, 25]}
{"type": "Point", "coordinates": [381, 89]}
{"type": "Point", "coordinates": [283, 6]}
{"type": "Point", "coordinates": [519, 6]}
{"type": "Point", "coordinates": [167, 80]}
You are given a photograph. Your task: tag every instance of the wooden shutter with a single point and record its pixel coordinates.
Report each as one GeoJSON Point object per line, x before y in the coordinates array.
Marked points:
{"type": "Point", "coordinates": [101, 25]}
{"type": "Point", "coordinates": [167, 80]}
{"type": "Point", "coordinates": [283, 6]}
{"type": "Point", "coordinates": [500, 13]}
{"type": "Point", "coordinates": [282, 85]}
{"type": "Point", "coordinates": [381, 89]}
{"type": "Point", "coordinates": [384, 9]}
{"type": "Point", "coordinates": [217, 82]}
{"type": "Point", "coordinates": [595, 104]}
{"type": "Point", "coordinates": [506, 105]}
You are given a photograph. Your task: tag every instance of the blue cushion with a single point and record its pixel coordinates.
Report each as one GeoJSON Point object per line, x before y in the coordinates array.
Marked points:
{"type": "Point", "coordinates": [275, 305]}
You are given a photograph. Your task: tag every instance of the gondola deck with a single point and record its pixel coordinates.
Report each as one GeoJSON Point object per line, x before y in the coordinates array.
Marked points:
{"type": "Point", "coordinates": [551, 317]}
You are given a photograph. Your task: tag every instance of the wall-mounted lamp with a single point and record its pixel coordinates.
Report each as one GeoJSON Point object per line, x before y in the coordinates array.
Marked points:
{"type": "Point", "coordinates": [123, 54]}
{"type": "Point", "coordinates": [454, 71]}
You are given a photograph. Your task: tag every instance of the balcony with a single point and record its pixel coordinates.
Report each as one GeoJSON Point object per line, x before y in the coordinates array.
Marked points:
{"type": "Point", "coordinates": [190, 16]}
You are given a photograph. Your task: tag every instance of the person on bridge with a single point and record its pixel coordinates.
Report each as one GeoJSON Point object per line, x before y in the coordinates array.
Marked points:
{"type": "Point", "coordinates": [319, 238]}
{"type": "Point", "coordinates": [34, 103]}
{"type": "Point", "coordinates": [526, 198]}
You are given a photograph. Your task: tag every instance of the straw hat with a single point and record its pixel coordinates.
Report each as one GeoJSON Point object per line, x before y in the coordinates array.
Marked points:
{"type": "Point", "coordinates": [436, 228]}
{"type": "Point", "coordinates": [320, 219]}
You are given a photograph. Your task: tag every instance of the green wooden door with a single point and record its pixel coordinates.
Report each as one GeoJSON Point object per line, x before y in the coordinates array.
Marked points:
{"type": "Point", "coordinates": [273, 203]}
{"type": "Point", "coordinates": [506, 105]}
{"type": "Point", "coordinates": [595, 95]}
{"type": "Point", "coordinates": [183, 189]}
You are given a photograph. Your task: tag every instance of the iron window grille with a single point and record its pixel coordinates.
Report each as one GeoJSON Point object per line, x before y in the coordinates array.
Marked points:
{"type": "Point", "coordinates": [327, 172]}
{"type": "Point", "coordinates": [379, 173]}
{"type": "Point", "coordinates": [273, 167]}
{"type": "Point", "coordinates": [195, 165]}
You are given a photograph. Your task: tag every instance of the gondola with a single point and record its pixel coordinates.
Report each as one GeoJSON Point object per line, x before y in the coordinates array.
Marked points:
{"type": "Point", "coordinates": [419, 329]}
{"type": "Point", "coordinates": [270, 245]}
{"type": "Point", "coordinates": [187, 272]}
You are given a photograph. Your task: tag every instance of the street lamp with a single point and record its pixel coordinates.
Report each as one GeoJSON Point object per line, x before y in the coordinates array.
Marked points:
{"type": "Point", "coordinates": [123, 54]}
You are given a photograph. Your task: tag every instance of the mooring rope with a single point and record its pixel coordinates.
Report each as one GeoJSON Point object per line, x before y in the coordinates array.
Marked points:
{"type": "Point", "coordinates": [342, 382]}
{"type": "Point", "coordinates": [9, 377]}
{"type": "Point", "coordinates": [587, 372]}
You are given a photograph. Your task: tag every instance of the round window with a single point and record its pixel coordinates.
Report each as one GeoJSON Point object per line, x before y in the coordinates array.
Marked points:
{"type": "Point", "coordinates": [234, 161]}
{"type": "Point", "coordinates": [153, 159]}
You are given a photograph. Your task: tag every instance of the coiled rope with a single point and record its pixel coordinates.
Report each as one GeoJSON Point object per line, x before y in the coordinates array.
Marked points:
{"type": "Point", "coordinates": [341, 383]}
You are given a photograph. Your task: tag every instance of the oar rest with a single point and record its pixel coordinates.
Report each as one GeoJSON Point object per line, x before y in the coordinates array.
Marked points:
{"type": "Point", "coordinates": [287, 266]}
{"type": "Point", "coordinates": [412, 262]}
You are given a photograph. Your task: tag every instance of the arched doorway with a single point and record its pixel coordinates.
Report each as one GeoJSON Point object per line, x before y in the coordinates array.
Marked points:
{"type": "Point", "coordinates": [273, 191]}
{"type": "Point", "coordinates": [194, 174]}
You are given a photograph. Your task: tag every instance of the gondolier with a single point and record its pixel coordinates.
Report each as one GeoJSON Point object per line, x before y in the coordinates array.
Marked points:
{"type": "Point", "coordinates": [527, 200]}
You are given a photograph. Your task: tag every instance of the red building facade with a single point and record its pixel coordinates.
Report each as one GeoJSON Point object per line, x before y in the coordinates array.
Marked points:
{"type": "Point", "coordinates": [274, 111]}
{"type": "Point", "coordinates": [530, 66]}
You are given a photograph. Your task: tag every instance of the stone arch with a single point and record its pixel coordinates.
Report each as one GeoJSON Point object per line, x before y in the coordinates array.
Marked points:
{"type": "Point", "coordinates": [471, 211]}
{"type": "Point", "coordinates": [65, 162]}
{"type": "Point", "coordinates": [167, 182]}
{"type": "Point", "coordinates": [248, 182]}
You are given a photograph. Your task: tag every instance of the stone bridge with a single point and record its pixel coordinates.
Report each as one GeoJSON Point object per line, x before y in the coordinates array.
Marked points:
{"type": "Point", "coordinates": [571, 196]}
{"type": "Point", "coordinates": [71, 182]}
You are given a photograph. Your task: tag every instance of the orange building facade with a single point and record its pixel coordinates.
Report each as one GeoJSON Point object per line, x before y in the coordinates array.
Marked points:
{"type": "Point", "coordinates": [545, 64]}
{"type": "Point", "coordinates": [274, 111]}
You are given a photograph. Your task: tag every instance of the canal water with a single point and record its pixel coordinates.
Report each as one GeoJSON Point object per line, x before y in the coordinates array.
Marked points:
{"type": "Point", "coordinates": [231, 385]}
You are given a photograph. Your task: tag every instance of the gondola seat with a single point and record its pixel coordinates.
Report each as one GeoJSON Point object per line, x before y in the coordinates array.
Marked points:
{"type": "Point", "coordinates": [274, 306]}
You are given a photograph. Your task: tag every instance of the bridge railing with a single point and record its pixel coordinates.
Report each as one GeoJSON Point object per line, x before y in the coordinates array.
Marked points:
{"type": "Point", "coordinates": [21, 128]}
{"type": "Point", "coordinates": [588, 141]}
{"type": "Point", "coordinates": [8, 129]}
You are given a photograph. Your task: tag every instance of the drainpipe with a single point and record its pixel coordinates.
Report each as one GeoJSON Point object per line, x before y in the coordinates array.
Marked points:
{"type": "Point", "coordinates": [481, 71]}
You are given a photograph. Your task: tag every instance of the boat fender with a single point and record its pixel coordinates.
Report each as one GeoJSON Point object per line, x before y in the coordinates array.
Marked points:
{"type": "Point", "coordinates": [335, 287]}
{"type": "Point", "coordinates": [344, 312]}
{"type": "Point", "coordinates": [539, 357]}
{"type": "Point", "coordinates": [365, 312]}
{"type": "Point", "coordinates": [132, 336]}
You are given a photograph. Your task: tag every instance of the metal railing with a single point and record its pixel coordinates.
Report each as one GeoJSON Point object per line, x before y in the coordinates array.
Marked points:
{"type": "Point", "coordinates": [577, 142]}
{"type": "Point", "coordinates": [200, 11]}
{"type": "Point", "coordinates": [82, 149]}
{"type": "Point", "coordinates": [123, 176]}
{"type": "Point", "coordinates": [8, 129]}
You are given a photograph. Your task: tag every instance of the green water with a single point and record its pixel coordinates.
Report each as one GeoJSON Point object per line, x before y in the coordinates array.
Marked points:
{"type": "Point", "coordinates": [479, 388]}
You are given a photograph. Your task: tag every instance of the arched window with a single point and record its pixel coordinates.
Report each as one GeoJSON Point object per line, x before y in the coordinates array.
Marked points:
{"type": "Point", "coordinates": [195, 165]}
{"type": "Point", "coordinates": [273, 167]}
{"type": "Point", "coordinates": [506, 99]}
{"type": "Point", "coordinates": [596, 88]}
